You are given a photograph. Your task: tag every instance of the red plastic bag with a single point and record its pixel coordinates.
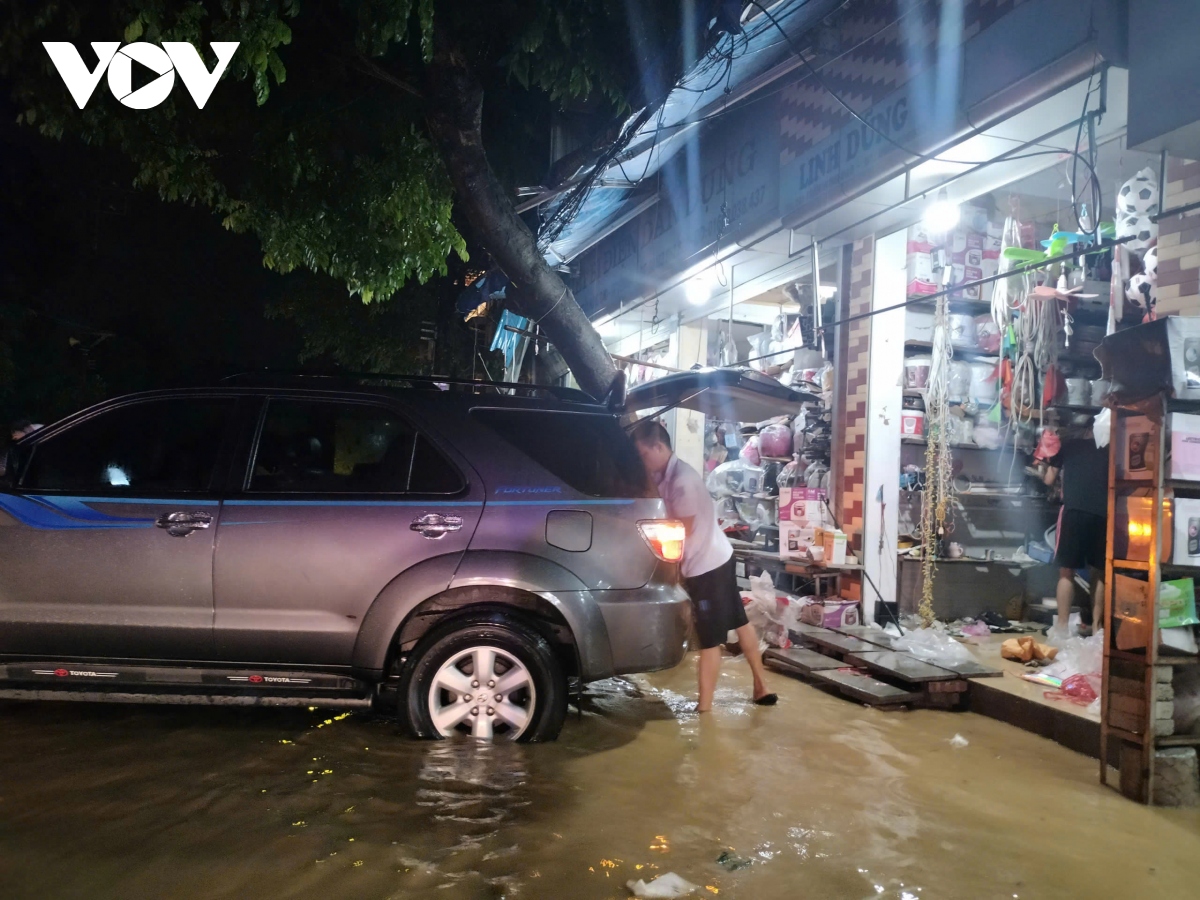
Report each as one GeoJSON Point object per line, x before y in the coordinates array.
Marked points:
{"type": "Point", "coordinates": [1078, 689]}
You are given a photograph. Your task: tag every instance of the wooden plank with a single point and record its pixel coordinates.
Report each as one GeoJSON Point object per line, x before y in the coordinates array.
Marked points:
{"type": "Point", "coordinates": [868, 634]}
{"type": "Point", "coordinates": [799, 660]}
{"type": "Point", "coordinates": [1129, 687]}
{"type": "Point", "coordinates": [901, 666]}
{"type": "Point", "coordinates": [971, 669]}
{"type": "Point", "coordinates": [1126, 722]}
{"type": "Point", "coordinates": [839, 643]}
{"type": "Point", "coordinates": [1134, 706]}
{"type": "Point", "coordinates": [862, 686]}
{"type": "Point", "coordinates": [808, 630]}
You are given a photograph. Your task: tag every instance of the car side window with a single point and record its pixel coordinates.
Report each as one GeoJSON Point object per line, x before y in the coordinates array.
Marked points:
{"type": "Point", "coordinates": [321, 446]}
{"type": "Point", "coordinates": [153, 446]}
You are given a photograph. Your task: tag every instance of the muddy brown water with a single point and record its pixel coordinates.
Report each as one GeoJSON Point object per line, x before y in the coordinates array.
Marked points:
{"type": "Point", "coordinates": [828, 799]}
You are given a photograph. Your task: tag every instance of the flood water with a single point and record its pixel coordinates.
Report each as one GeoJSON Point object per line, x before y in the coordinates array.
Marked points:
{"type": "Point", "coordinates": [828, 799]}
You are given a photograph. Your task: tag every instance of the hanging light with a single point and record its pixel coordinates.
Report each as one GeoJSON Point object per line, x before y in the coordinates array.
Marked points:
{"type": "Point", "coordinates": [698, 289]}
{"type": "Point", "coordinates": [942, 215]}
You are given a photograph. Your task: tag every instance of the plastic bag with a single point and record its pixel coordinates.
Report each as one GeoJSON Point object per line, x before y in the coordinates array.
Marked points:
{"type": "Point", "coordinates": [933, 645]}
{"type": "Point", "coordinates": [1177, 603]}
{"type": "Point", "coordinates": [664, 886]}
{"type": "Point", "coordinates": [1078, 656]}
{"type": "Point", "coordinates": [1080, 689]}
{"type": "Point", "coordinates": [771, 614]}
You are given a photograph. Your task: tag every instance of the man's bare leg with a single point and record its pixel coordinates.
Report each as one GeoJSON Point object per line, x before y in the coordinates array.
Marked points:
{"type": "Point", "coordinates": [709, 668]}
{"type": "Point", "coordinates": [1065, 593]}
{"type": "Point", "coordinates": [748, 641]}
{"type": "Point", "coordinates": [1097, 605]}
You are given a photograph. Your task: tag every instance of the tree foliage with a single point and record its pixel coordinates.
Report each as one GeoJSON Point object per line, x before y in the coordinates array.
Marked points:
{"type": "Point", "coordinates": [316, 141]}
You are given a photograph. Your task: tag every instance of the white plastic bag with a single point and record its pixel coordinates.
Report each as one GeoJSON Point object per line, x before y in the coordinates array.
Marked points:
{"type": "Point", "coordinates": [664, 886]}
{"type": "Point", "coordinates": [1078, 656]}
{"type": "Point", "coordinates": [1102, 427]}
{"type": "Point", "coordinates": [933, 645]}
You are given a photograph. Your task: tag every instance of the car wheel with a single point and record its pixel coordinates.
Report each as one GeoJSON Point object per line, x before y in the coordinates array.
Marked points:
{"type": "Point", "coordinates": [488, 677]}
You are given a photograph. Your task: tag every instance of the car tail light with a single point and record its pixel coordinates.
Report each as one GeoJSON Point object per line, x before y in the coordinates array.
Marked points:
{"type": "Point", "coordinates": [665, 538]}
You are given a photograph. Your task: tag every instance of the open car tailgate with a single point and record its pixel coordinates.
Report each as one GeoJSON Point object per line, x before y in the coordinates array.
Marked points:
{"type": "Point", "coordinates": [734, 395]}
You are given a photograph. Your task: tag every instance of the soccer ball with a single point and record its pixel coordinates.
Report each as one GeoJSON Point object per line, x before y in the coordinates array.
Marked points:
{"type": "Point", "coordinates": [1140, 228]}
{"type": "Point", "coordinates": [1142, 292]}
{"type": "Point", "coordinates": [1139, 195]}
{"type": "Point", "coordinates": [1150, 264]}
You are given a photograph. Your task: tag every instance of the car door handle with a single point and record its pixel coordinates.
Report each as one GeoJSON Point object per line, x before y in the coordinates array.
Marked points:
{"type": "Point", "coordinates": [181, 524]}
{"type": "Point", "coordinates": [434, 525]}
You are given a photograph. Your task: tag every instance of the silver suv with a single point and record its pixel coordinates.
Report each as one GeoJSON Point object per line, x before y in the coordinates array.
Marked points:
{"type": "Point", "coordinates": [459, 551]}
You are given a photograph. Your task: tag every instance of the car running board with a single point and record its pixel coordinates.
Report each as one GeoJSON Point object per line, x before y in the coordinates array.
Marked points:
{"type": "Point", "coordinates": [181, 685]}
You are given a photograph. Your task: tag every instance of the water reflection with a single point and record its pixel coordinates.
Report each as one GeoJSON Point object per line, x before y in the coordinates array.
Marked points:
{"type": "Point", "coordinates": [817, 797]}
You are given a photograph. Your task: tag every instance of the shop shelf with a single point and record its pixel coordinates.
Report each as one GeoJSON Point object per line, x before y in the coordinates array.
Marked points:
{"type": "Point", "coordinates": [1135, 564]}
{"type": "Point", "coordinates": [1177, 740]}
{"type": "Point", "coordinates": [1066, 407]}
{"type": "Point", "coordinates": [909, 439]}
{"type": "Point", "coordinates": [958, 351]}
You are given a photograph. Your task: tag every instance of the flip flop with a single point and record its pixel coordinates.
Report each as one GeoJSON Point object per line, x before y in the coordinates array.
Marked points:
{"type": "Point", "coordinates": [767, 700]}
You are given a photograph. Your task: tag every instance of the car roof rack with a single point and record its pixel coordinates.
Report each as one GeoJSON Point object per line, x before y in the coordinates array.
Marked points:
{"type": "Point", "coordinates": [277, 377]}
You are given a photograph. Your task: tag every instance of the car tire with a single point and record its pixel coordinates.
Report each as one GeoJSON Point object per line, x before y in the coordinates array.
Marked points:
{"type": "Point", "coordinates": [522, 697]}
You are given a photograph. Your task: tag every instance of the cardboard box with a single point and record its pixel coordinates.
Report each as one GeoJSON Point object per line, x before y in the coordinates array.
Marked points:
{"type": "Point", "coordinates": [831, 613]}
{"type": "Point", "coordinates": [1187, 532]}
{"type": "Point", "coordinates": [918, 326]}
{"type": "Point", "coordinates": [835, 547]}
{"type": "Point", "coordinates": [1137, 449]}
{"type": "Point", "coordinates": [1185, 446]}
{"type": "Point", "coordinates": [919, 278]}
{"type": "Point", "coordinates": [801, 512]}
{"type": "Point", "coordinates": [920, 240]}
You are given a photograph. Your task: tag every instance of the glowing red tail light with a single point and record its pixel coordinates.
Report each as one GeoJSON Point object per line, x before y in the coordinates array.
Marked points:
{"type": "Point", "coordinates": [665, 538]}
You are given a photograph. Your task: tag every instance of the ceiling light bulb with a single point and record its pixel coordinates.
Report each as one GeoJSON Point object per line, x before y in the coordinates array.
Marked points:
{"type": "Point", "coordinates": [697, 290]}
{"type": "Point", "coordinates": [942, 215]}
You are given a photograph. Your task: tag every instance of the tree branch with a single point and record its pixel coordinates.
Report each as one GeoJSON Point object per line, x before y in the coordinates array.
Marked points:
{"type": "Point", "coordinates": [368, 66]}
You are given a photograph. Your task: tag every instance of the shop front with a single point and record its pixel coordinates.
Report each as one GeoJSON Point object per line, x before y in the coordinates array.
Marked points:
{"type": "Point", "coordinates": [936, 269]}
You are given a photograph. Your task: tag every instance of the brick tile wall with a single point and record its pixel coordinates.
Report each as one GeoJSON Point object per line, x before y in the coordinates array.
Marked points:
{"type": "Point", "coordinates": [851, 451]}
{"type": "Point", "coordinates": [1179, 243]}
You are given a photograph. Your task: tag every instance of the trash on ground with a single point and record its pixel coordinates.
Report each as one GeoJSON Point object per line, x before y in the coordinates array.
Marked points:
{"type": "Point", "coordinates": [1024, 649]}
{"type": "Point", "coordinates": [732, 862]}
{"type": "Point", "coordinates": [668, 885]}
{"type": "Point", "coordinates": [958, 741]}
{"type": "Point", "coordinates": [933, 645]}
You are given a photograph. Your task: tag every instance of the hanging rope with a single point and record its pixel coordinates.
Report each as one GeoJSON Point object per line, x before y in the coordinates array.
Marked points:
{"type": "Point", "coordinates": [939, 468]}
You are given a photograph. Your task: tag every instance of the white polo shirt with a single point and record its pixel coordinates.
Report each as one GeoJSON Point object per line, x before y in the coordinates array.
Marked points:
{"type": "Point", "coordinates": [705, 547]}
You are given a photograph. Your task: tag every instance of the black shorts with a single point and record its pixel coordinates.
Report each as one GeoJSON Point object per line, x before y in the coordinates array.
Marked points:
{"type": "Point", "coordinates": [1082, 540]}
{"type": "Point", "coordinates": [716, 603]}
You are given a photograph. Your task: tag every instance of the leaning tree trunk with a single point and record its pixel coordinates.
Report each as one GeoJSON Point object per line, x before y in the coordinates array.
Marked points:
{"type": "Point", "coordinates": [454, 114]}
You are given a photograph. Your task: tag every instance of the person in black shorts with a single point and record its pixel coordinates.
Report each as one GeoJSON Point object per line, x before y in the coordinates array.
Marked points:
{"type": "Point", "coordinates": [1083, 521]}
{"type": "Point", "coordinates": [708, 568]}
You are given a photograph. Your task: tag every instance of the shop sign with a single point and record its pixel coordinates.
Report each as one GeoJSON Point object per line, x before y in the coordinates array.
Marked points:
{"type": "Point", "coordinates": [737, 168]}
{"type": "Point", "coordinates": [733, 187]}
{"type": "Point", "coordinates": [848, 160]}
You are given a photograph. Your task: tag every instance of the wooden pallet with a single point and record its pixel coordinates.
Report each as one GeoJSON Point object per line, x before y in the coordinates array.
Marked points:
{"type": "Point", "coordinates": [868, 634]}
{"type": "Point", "coordinates": [902, 666]}
{"type": "Point", "coordinates": [866, 688]}
{"type": "Point", "coordinates": [838, 644]}
{"type": "Point", "coordinates": [797, 660]}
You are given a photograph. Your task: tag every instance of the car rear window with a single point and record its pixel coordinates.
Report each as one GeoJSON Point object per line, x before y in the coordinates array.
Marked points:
{"type": "Point", "coordinates": [588, 452]}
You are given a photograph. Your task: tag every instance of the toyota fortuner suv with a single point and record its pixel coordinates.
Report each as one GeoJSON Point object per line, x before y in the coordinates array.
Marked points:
{"type": "Point", "coordinates": [463, 551]}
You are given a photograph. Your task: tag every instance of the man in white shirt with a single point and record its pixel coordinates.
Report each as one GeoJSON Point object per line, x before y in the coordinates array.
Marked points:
{"type": "Point", "coordinates": [707, 567]}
